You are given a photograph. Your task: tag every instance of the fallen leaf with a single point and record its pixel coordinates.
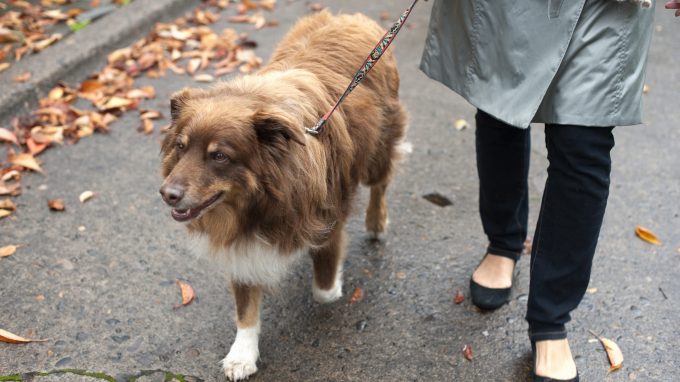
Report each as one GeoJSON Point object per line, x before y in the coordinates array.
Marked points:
{"type": "Point", "coordinates": [187, 291]}
{"type": "Point", "coordinates": [4, 66]}
{"type": "Point", "coordinates": [204, 78]}
{"type": "Point", "coordinates": [85, 196]}
{"type": "Point", "coordinates": [193, 65]}
{"type": "Point", "coordinates": [23, 77]}
{"type": "Point", "coordinates": [459, 297]}
{"type": "Point", "coordinates": [8, 136]}
{"type": "Point", "coordinates": [56, 204]}
{"type": "Point", "coordinates": [150, 114]}
{"type": "Point", "coordinates": [116, 103]}
{"type": "Point", "coordinates": [613, 352]}
{"type": "Point", "coordinates": [4, 213]}
{"type": "Point", "coordinates": [647, 235]}
{"type": "Point", "coordinates": [8, 337]}
{"type": "Point", "coordinates": [460, 124]}
{"type": "Point", "coordinates": [356, 296]}
{"type": "Point", "coordinates": [7, 204]}
{"type": "Point", "coordinates": [8, 250]}
{"type": "Point", "coordinates": [26, 160]}
{"type": "Point", "coordinates": [147, 126]}
{"type": "Point", "coordinates": [91, 86]}
{"type": "Point", "coordinates": [401, 275]}
{"type": "Point", "coordinates": [591, 290]}
{"type": "Point", "coordinates": [467, 352]}
{"type": "Point", "coordinates": [35, 148]}
{"type": "Point", "coordinates": [438, 199]}
{"type": "Point", "coordinates": [56, 93]}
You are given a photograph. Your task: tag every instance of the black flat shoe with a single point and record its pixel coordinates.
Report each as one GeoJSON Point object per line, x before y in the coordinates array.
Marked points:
{"type": "Point", "coordinates": [538, 378]}
{"type": "Point", "coordinates": [490, 298]}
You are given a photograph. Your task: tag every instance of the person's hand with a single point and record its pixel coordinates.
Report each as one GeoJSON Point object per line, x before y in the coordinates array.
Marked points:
{"type": "Point", "coordinates": [674, 4]}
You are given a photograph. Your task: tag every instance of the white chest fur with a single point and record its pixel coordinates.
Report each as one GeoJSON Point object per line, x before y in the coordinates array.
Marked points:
{"type": "Point", "coordinates": [253, 262]}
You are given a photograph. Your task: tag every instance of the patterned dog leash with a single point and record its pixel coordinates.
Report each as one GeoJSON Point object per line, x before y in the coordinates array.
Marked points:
{"type": "Point", "coordinates": [372, 58]}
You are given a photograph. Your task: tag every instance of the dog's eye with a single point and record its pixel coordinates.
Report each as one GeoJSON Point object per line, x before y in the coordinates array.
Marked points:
{"type": "Point", "coordinates": [179, 145]}
{"type": "Point", "coordinates": [218, 157]}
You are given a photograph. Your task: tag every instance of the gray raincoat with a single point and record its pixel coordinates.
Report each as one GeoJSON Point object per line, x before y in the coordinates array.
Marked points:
{"type": "Point", "coordinates": [577, 62]}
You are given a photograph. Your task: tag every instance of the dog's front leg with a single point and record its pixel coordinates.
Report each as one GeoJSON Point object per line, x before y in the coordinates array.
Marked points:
{"type": "Point", "coordinates": [241, 361]}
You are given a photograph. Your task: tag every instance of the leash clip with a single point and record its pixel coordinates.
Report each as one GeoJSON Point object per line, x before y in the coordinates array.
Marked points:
{"type": "Point", "coordinates": [315, 130]}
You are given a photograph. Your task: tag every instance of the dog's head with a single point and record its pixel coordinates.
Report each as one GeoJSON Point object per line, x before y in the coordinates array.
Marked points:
{"type": "Point", "coordinates": [220, 149]}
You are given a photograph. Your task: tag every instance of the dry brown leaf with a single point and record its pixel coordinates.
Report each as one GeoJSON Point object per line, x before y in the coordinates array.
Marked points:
{"type": "Point", "coordinates": [56, 204]}
{"type": "Point", "coordinates": [8, 204]}
{"type": "Point", "coordinates": [614, 353]}
{"type": "Point", "coordinates": [56, 93]}
{"type": "Point", "coordinates": [35, 148]}
{"type": "Point", "coordinates": [23, 77]}
{"type": "Point", "coordinates": [147, 126]}
{"type": "Point", "coordinates": [116, 103]}
{"type": "Point", "coordinates": [85, 196]}
{"type": "Point", "coordinates": [467, 352]}
{"type": "Point", "coordinates": [4, 213]}
{"type": "Point", "coordinates": [4, 66]}
{"type": "Point", "coordinates": [459, 297]}
{"type": "Point", "coordinates": [8, 136]}
{"type": "Point", "coordinates": [204, 78]}
{"type": "Point", "coordinates": [150, 114]}
{"type": "Point", "coordinates": [193, 65]}
{"type": "Point", "coordinates": [91, 86]}
{"type": "Point", "coordinates": [356, 296]}
{"type": "Point", "coordinates": [42, 44]}
{"type": "Point", "coordinates": [8, 337]}
{"type": "Point", "coordinates": [8, 250]}
{"type": "Point", "coordinates": [647, 235]}
{"type": "Point", "coordinates": [26, 160]}
{"type": "Point", "coordinates": [188, 294]}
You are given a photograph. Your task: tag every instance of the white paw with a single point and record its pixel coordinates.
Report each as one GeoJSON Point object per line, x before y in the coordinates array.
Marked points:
{"type": "Point", "coordinates": [241, 362]}
{"type": "Point", "coordinates": [238, 369]}
{"type": "Point", "coordinates": [327, 296]}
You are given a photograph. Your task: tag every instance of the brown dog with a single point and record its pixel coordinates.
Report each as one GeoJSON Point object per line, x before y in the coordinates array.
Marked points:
{"type": "Point", "coordinates": [258, 192]}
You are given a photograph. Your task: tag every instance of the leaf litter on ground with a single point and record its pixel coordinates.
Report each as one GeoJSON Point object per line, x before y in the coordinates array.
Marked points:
{"type": "Point", "coordinates": [112, 91]}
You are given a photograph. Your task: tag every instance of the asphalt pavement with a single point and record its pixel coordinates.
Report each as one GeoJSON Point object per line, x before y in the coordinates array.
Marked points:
{"type": "Point", "coordinates": [99, 280]}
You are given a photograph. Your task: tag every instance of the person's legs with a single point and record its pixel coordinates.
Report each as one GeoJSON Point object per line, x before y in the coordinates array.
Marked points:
{"type": "Point", "coordinates": [567, 231]}
{"type": "Point", "coordinates": [503, 166]}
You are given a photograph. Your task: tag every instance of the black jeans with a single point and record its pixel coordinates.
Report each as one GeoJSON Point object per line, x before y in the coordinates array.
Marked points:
{"type": "Point", "coordinates": [573, 206]}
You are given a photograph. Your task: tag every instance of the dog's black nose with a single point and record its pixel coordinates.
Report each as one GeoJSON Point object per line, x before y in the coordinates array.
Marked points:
{"type": "Point", "coordinates": [172, 193]}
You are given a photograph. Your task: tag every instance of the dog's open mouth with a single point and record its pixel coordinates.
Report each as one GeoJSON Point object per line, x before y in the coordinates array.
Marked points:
{"type": "Point", "coordinates": [191, 213]}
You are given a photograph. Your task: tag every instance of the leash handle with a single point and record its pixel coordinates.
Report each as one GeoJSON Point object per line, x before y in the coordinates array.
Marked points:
{"type": "Point", "coordinates": [366, 67]}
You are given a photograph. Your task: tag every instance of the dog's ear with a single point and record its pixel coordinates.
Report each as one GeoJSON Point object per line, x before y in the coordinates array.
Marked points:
{"type": "Point", "coordinates": [270, 130]}
{"type": "Point", "coordinates": [177, 102]}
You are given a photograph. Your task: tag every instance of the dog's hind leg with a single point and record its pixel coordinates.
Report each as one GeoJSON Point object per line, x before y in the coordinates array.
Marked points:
{"type": "Point", "coordinates": [327, 284]}
{"type": "Point", "coordinates": [382, 167]}
{"type": "Point", "coordinates": [376, 213]}
{"type": "Point", "coordinates": [241, 361]}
